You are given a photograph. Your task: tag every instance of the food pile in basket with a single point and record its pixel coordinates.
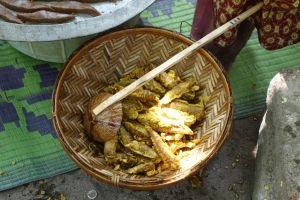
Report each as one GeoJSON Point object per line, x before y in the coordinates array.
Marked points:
{"type": "Point", "coordinates": [156, 130]}
{"type": "Point", "coordinates": [28, 11]}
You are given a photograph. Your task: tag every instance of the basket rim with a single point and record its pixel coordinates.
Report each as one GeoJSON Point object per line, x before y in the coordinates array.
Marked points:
{"type": "Point", "coordinates": [144, 30]}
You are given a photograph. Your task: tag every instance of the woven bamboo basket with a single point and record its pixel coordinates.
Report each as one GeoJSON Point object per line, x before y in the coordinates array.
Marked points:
{"type": "Point", "coordinates": [104, 61]}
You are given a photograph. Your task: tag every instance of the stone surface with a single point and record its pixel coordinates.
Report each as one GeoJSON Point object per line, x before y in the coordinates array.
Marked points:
{"type": "Point", "coordinates": [277, 173]}
{"type": "Point", "coordinates": [228, 176]}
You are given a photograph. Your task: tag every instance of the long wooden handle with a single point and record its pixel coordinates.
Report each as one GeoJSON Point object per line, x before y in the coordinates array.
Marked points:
{"type": "Point", "coordinates": [175, 59]}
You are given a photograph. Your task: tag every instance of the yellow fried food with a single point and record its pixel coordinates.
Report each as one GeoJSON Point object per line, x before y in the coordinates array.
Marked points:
{"type": "Point", "coordinates": [126, 81]}
{"type": "Point", "coordinates": [119, 85]}
{"type": "Point", "coordinates": [164, 124]}
{"type": "Point", "coordinates": [143, 168]}
{"type": "Point", "coordinates": [143, 140]}
{"type": "Point", "coordinates": [141, 149]}
{"type": "Point", "coordinates": [135, 146]}
{"type": "Point", "coordinates": [195, 88]}
{"type": "Point", "coordinates": [194, 109]}
{"type": "Point", "coordinates": [177, 91]}
{"type": "Point", "coordinates": [190, 95]}
{"type": "Point", "coordinates": [155, 86]}
{"type": "Point", "coordinates": [125, 160]}
{"type": "Point", "coordinates": [174, 146]}
{"type": "Point", "coordinates": [168, 79]}
{"type": "Point", "coordinates": [131, 108]}
{"type": "Point", "coordinates": [155, 132]}
{"type": "Point", "coordinates": [182, 117]}
{"type": "Point", "coordinates": [171, 137]}
{"type": "Point", "coordinates": [124, 136]}
{"type": "Point", "coordinates": [137, 73]}
{"type": "Point", "coordinates": [163, 149]}
{"type": "Point", "coordinates": [136, 128]}
{"type": "Point", "coordinates": [112, 89]}
{"type": "Point", "coordinates": [110, 147]}
{"type": "Point", "coordinates": [145, 95]}
{"type": "Point", "coordinates": [140, 159]}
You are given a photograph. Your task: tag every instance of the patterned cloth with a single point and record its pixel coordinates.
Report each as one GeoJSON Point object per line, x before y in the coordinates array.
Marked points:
{"type": "Point", "coordinates": [278, 23]}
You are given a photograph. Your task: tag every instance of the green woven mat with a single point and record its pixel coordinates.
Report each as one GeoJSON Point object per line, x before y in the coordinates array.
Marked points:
{"type": "Point", "coordinates": [29, 147]}
{"type": "Point", "coordinates": [252, 72]}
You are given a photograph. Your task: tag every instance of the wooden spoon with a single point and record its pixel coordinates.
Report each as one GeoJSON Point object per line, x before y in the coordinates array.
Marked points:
{"type": "Point", "coordinates": [102, 107]}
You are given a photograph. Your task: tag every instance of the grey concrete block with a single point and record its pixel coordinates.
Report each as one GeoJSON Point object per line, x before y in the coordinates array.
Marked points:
{"type": "Point", "coordinates": [277, 174]}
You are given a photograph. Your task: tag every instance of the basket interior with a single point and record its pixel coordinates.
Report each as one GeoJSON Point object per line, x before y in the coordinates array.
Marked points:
{"type": "Point", "coordinates": [105, 61]}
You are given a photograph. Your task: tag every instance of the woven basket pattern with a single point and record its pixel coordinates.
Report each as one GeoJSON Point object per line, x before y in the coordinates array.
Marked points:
{"type": "Point", "coordinates": [105, 61]}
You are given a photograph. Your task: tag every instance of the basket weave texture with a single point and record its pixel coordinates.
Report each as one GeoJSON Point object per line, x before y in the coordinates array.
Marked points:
{"type": "Point", "coordinates": [104, 61]}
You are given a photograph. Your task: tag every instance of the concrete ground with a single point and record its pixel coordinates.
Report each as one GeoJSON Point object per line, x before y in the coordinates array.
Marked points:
{"type": "Point", "coordinates": [229, 176]}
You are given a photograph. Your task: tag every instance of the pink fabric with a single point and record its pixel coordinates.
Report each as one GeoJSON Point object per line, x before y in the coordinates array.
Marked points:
{"type": "Point", "coordinates": [203, 21]}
